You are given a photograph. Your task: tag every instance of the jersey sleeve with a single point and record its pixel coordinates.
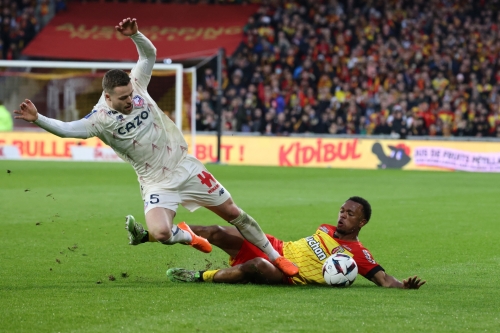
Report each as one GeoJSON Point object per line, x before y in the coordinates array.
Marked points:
{"type": "Point", "coordinates": [329, 229]}
{"type": "Point", "coordinates": [74, 129]}
{"type": "Point", "coordinates": [92, 123]}
{"type": "Point", "coordinates": [367, 266]}
{"type": "Point", "coordinates": [141, 73]}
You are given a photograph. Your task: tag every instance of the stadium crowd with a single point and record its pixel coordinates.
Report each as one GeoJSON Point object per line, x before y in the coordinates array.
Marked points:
{"type": "Point", "coordinates": [20, 20]}
{"type": "Point", "coordinates": [400, 68]}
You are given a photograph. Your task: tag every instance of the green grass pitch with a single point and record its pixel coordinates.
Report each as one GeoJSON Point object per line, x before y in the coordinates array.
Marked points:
{"type": "Point", "coordinates": [66, 265]}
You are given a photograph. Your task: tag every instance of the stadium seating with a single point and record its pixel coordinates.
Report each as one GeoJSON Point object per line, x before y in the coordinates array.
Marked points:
{"type": "Point", "coordinates": [399, 68]}
{"type": "Point", "coordinates": [21, 20]}
{"type": "Point", "coordinates": [346, 67]}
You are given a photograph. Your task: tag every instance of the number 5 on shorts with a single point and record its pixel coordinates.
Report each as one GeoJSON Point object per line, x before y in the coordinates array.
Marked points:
{"type": "Point", "coordinates": [154, 199]}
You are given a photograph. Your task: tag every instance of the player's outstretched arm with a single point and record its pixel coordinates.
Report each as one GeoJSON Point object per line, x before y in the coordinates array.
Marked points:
{"type": "Point", "coordinates": [27, 111]}
{"type": "Point", "coordinates": [75, 129]}
{"type": "Point", "coordinates": [147, 51]}
{"type": "Point", "coordinates": [385, 280]}
{"type": "Point", "coordinates": [127, 27]}
{"type": "Point", "coordinates": [413, 282]}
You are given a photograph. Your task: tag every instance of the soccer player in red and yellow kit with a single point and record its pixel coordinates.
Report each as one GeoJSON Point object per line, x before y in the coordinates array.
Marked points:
{"type": "Point", "coordinates": [249, 264]}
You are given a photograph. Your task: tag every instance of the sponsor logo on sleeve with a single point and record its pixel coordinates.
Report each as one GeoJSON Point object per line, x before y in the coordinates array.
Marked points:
{"type": "Point", "coordinates": [369, 257]}
{"type": "Point", "coordinates": [323, 228]}
{"type": "Point", "coordinates": [338, 249]}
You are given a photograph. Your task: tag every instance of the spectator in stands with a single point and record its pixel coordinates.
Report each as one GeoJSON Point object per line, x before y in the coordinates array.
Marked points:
{"type": "Point", "coordinates": [257, 124]}
{"type": "Point", "coordinates": [60, 6]}
{"type": "Point", "coordinates": [418, 127]}
{"type": "Point", "coordinates": [397, 124]}
{"type": "Point", "coordinates": [382, 127]}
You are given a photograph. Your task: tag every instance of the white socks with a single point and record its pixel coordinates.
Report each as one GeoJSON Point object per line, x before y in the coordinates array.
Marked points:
{"type": "Point", "coordinates": [178, 236]}
{"type": "Point", "coordinates": [252, 232]}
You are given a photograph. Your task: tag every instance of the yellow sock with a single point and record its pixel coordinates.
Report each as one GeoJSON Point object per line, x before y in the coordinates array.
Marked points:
{"type": "Point", "coordinates": [208, 276]}
{"type": "Point", "coordinates": [151, 238]}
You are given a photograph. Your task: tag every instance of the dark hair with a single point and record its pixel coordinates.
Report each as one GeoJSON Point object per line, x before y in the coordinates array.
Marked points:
{"type": "Point", "coordinates": [367, 208]}
{"type": "Point", "coordinates": [114, 78]}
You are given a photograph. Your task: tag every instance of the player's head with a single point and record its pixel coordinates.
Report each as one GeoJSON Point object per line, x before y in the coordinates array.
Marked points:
{"type": "Point", "coordinates": [118, 90]}
{"type": "Point", "coordinates": [367, 208]}
{"type": "Point", "coordinates": [353, 215]}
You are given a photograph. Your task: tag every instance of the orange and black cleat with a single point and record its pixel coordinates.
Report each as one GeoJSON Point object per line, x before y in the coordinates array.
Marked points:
{"type": "Point", "coordinates": [199, 243]}
{"type": "Point", "coordinates": [286, 266]}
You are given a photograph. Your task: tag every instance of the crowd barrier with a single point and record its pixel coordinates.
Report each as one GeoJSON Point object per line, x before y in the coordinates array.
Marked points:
{"type": "Point", "coordinates": [353, 153]}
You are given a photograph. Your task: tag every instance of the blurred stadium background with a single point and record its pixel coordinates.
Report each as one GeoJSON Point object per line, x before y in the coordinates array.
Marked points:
{"type": "Point", "coordinates": [419, 70]}
{"type": "Point", "coordinates": [328, 67]}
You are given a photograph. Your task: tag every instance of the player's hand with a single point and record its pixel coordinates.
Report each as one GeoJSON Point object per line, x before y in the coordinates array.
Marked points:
{"type": "Point", "coordinates": [27, 111]}
{"type": "Point", "coordinates": [413, 283]}
{"type": "Point", "coordinates": [127, 27]}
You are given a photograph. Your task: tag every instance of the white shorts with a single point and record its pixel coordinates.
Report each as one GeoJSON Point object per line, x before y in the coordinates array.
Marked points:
{"type": "Point", "coordinates": [190, 185]}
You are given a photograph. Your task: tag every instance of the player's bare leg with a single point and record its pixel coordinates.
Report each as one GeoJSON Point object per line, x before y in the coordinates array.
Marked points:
{"type": "Point", "coordinates": [228, 239]}
{"type": "Point", "coordinates": [257, 270]}
{"type": "Point", "coordinates": [252, 232]}
{"type": "Point", "coordinates": [160, 222]}
{"type": "Point", "coordinates": [161, 229]}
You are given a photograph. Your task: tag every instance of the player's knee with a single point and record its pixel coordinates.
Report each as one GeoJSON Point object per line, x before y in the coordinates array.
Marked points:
{"type": "Point", "coordinates": [214, 233]}
{"type": "Point", "coordinates": [260, 270]}
{"type": "Point", "coordinates": [254, 267]}
{"type": "Point", "coordinates": [233, 212]}
{"type": "Point", "coordinates": [161, 235]}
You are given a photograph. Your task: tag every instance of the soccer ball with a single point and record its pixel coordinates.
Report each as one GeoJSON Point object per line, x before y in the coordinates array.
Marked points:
{"type": "Point", "coordinates": [340, 270]}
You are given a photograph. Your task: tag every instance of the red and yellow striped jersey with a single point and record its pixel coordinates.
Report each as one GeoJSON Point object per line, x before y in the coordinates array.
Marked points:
{"type": "Point", "coordinates": [310, 253]}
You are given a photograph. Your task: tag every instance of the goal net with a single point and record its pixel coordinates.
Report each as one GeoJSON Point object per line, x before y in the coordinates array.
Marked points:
{"type": "Point", "coordinates": [69, 90]}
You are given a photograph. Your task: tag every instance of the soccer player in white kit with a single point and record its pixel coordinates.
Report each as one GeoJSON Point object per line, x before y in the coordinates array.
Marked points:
{"type": "Point", "coordinates": [128, 120]}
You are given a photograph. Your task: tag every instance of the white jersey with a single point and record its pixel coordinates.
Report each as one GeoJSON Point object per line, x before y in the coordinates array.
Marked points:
{"type": "Point", "coordinates": [146, 138]}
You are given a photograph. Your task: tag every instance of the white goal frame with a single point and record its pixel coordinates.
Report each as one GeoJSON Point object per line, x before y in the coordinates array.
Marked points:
{"type": "Point", "coordinates": [194, 92]}
{"type": "Point", "coordinates": [178, 68]}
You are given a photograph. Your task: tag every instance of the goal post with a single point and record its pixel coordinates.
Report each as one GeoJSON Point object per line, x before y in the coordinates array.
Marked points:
{"type": "Point", "coordinates": [76, 85]}
{"type": "Point", "coordinates": [191, 78]}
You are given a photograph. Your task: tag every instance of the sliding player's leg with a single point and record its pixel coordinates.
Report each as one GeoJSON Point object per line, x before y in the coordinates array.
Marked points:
{"type": "Point", "coordinates": [257, 270]}
{"type": "Point", "coordinates": [252, 232]}
{"type": "Point", "coordinates": [228, 239]}
{"type": "Point", "coordinates": [249, 264]}
{"type": "Point", "coordinates": [202, 189]}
